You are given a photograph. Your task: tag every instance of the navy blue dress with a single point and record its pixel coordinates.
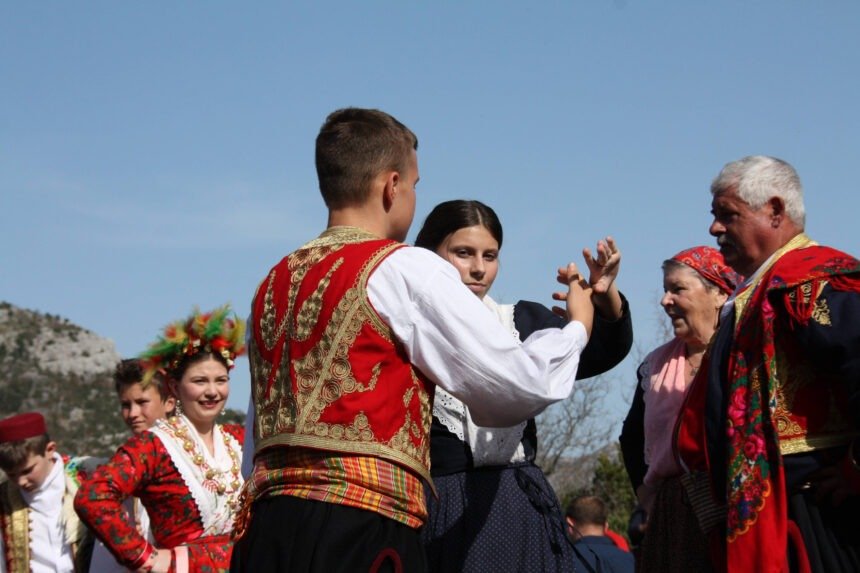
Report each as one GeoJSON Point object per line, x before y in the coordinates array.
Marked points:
{"type": "Point", "coordinates": [507, 517]}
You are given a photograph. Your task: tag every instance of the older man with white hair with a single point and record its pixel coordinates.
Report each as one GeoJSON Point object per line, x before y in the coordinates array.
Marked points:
{"type": "Point", "coordinates": [774, 420]}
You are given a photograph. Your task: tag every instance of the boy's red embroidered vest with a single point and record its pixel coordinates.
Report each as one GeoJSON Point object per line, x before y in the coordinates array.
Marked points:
{"type": "Point", "coordinates": [326, 372]}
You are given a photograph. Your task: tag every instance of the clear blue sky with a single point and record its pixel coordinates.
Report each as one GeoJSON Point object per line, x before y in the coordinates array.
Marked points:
{"type": "Point", "coordinates": [158, 155]}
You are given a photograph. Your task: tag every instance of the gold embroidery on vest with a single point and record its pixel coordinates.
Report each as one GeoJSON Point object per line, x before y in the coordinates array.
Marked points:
{"type": "Point", "coordinates": [298, 263]}
{"type": "Point", "coordinates": [358, 431]}
{"type": "Point", "coordinates": [350, 384]}
{"type": "Point", "coordinates": [787, 382]}
{"type": "Point", "coordinates": [342, 234]}
{"type": "Point", "coordinates": [424, 405]}
{"type": "Point", "coordinates": [785, 426]}
{"type": "Point", "coordinates": [821, 312]}
{"type": "Point", "coordinates": [268, 331]}
{"type": "Point", "coordinates": [812, 443]}
{"type": "Point", "coordinates": [309, 312]}
{"type": "Point", "coordinates": [806, 291]}
{"type": "Point", "coordinates": [324, 374]}
{"type": "Point", "coordinates": [16, 522]}
{"type": "Point", "coordinates": [790, 379]}
{"type": "Point", "coordinates": [376, 323]}
{"type": "Point", "coordinates": [820, 309]}
{"type": "Point", "coordinates": [277, 412]}
{"type": "Point", "coordinates": [374, 320]}
{"type": "Point", "coordinates": [402, 439]}
{"type": "Point", "coordinates": [402, 442]}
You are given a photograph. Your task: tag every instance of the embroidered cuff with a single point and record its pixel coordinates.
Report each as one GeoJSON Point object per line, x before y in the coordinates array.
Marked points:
{"type": "Point", "coordinates": [143, 557]}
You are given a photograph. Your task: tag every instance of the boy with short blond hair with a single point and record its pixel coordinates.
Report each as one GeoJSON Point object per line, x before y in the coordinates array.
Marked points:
{"type": "Point", "coordinates": [140, 407]}
{"type": "Point", "coordinates": [39, 530]}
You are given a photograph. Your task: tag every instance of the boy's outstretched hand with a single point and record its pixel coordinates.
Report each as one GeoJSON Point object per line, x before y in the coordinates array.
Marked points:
{"type": "Point", "coordinates": [578, 297]}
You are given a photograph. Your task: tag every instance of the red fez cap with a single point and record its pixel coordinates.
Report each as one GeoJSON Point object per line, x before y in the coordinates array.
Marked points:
{"type": "Point", "coordinates": [22, 426]}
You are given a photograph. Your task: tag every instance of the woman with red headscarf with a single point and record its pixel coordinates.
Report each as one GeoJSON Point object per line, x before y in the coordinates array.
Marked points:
{"type": "Point", "coordinates": [696, 284]}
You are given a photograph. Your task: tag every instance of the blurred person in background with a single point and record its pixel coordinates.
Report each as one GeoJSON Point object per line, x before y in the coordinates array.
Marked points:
{"type": "Point", "coordinates": [594, 551]}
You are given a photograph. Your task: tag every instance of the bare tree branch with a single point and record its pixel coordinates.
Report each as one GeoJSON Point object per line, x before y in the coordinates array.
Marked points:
{"type": "Point", "coordinates": [575, 426]}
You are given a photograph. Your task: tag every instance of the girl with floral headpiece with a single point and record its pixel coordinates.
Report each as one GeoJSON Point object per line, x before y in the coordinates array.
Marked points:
{"type": "Point", "coordinates": [185, 470]}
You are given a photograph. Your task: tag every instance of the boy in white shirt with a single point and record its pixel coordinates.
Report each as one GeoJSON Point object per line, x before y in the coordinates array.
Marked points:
{"type": "Point", "coordinates": [39, 530]}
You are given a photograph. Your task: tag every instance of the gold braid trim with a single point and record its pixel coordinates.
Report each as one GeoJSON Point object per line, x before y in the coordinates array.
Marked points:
{"type": "Point", "coordinates": [812, 443]}
{"type": "Point", "coordinates": [797, 242]}
{"type": "Point", "coordinates": [15, 525]}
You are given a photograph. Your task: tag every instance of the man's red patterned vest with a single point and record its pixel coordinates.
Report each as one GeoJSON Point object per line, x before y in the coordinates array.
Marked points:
{"type": "Point", "coordinates": [326, 372]}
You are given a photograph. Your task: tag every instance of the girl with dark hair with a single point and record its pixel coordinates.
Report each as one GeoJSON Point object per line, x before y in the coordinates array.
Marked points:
{"type": "Point", "coordinates": [495, 510]}
{"type": "Point", "coordinates": [186, 469]}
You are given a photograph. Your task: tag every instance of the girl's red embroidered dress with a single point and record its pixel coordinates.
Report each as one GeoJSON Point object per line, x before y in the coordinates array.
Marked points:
{"type": "Point", "coordinates": [190, 495]}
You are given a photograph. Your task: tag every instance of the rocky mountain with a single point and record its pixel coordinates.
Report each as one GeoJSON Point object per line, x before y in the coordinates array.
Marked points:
{"type": "Point", "coordinates": [64, 371]}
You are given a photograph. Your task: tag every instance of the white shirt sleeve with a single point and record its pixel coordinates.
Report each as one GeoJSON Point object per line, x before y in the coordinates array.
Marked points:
{"type": "Point", "coordinates": [460, 345]}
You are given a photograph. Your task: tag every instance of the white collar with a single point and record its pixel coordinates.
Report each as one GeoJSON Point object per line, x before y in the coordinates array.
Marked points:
{"type": "Point", "coordinates": [48, 498]}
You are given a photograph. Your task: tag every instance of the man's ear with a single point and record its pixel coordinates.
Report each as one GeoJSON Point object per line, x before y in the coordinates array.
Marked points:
{"type": "Point", "coordinates": [389, 191]}
{"type": "Point", "coordinates": [50, 449]}
{"type": "Point", "coordinates": [777, 211]}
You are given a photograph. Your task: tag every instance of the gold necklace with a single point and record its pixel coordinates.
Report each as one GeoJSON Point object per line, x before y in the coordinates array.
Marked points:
{"type": "Point", "coordinates": [209, 473]}
{"type": "Point", "coordinates": [694, 369]}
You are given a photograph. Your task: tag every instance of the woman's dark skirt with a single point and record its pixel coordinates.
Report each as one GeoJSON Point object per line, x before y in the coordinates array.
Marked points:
{"type": "Point", "coordinates": [673, 542]}
{"type": "Point", "coordinates": [496, 519]}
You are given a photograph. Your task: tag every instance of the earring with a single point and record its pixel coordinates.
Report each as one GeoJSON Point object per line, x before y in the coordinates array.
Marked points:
{"type": "Point", "coordinates": [178, 410]}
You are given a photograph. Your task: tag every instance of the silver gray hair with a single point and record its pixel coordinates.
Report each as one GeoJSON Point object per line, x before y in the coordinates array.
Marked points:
{"type": "Point", "coordinates": [757, 178]}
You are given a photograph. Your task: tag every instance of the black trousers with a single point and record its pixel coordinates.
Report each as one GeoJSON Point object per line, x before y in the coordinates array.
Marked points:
{"type": "Point", "coordinates": [299, 535]}
{"type": "Point", "coordinates": [829, 534]}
